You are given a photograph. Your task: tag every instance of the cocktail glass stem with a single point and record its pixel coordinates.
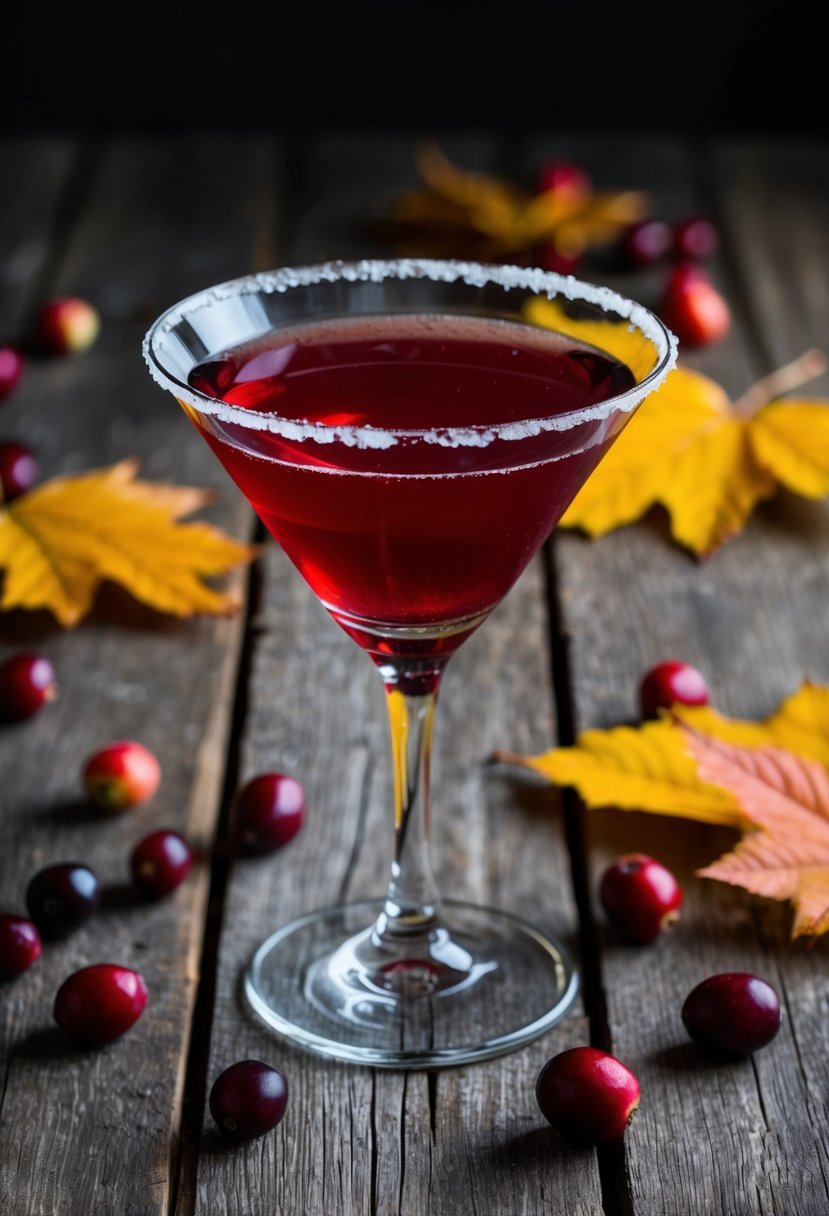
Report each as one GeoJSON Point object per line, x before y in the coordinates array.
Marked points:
{"type": "Point", "coordinates": [412, 902]}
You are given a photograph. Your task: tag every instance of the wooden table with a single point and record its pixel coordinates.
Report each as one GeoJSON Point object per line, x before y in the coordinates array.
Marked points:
{"type": "Point", "coordinates": [134, 225]}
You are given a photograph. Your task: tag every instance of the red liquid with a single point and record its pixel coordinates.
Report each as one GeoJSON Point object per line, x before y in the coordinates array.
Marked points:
{"type": "Point", "coordinates": [415, 534]}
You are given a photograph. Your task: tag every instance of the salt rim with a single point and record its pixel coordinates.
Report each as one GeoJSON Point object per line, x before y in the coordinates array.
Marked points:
{"type": "Point", "coordinates": [475, 274]}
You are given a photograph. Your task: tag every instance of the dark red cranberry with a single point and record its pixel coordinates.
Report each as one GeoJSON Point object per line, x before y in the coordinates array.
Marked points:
{"type": "Point", "coordinates": [672, 683]}
{"type": "Point", "coordinates": [589, 1096]}
{"type": "Point", "coordinates": [641, 898]}
{"type": "Point", "coordinates": [733, 1012]}
{"type": "Point", "coordinates": [549, 257]}
{"type": "Point", "coordinates": [646, 242]}
{"type": "Point", "coordinates": [693, 308]}
{"type": "Point", "coordinates": [248, 1099]}
{"type": "Point", "coordinates": [11, 369]}
{"type": "Point", "coordinates": [160, 863]}
{"type": "Point", "coordinates": [269, 812]}
{"type": "Point", "coordinates": [18, 470]}
{"type": "Point", "coordinates": [60, 898]}
{"type": "Point", "coordinates": [100, 1003]}
{"type": "Point", "coordinates": [563, 178]}
{"type": "Point", "coordinates": [20, 945]}
{"type": "Point", "coordinates": [27, 682]}
{"type": "Point", "coordinates": [695, 238]}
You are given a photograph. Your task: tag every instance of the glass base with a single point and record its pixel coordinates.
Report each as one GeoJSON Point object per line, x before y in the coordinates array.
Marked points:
{"type": "Point", "coordinates": [478, 983]}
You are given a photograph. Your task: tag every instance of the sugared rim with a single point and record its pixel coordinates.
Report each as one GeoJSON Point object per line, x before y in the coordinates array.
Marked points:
{"type": "Point", "coordinates": [544, 283]}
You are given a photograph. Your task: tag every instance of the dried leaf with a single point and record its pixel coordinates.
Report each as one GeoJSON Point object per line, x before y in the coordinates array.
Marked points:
{"type": "Point", "coordinates": [787, 798]}
{"type": "Point", "coordinates": [62, 539]}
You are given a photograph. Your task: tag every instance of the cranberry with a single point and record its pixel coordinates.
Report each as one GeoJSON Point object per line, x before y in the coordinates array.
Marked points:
{"type": "Point", "coordinates": [733, 1012]}
{"type": "Point", "coordinates": [60, 898]}
{"type": "Point", "coordinates": [269, 812]}
{"type": "Point", "coordinates": [563, 178]}
{"type": "Point", "coordinates": [672, 683]}
{"type": "Point", "coordinates": [18, 470]}
{"type": "Point", "coordinates": [693, 308]}
{"type": "Point", "coordinates": [121, 775]}
{"type": "Point", "coordinates": [587, 1095]}
{"type": "Point", "coordinates": [100, 1003]}
{"type": "Point", "coordinates": [641, 898]}
{"type": "Point", "coordinates": [248, 1099]}
{"type": "Point", "coordinates": [695, 238]}
{"type": "Point", "coordinates": [11, 369]}
{"type": "Point", "coordinates": [20, 945]}
{"type": "Point", "coordinates": [549, 257]}
{"type": "Point", "coordinates": [646, 242]}
{"type": "Point", "coordinates": [27, 682]}
{"type": "Point", "coordinates": [160, 863]}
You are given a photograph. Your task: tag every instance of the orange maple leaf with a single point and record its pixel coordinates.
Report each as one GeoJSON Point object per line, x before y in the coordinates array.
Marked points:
{"type": "Point", "coordinates": [63, 538]}
{"type": "Point", "coordinates": [787, 798]}
{"type": "Point", "coordinates": [707, 460]}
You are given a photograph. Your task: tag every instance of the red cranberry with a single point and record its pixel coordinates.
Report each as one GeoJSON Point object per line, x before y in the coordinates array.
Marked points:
{"type": "Point", "coordinates": [121, 775]}
{"type": "Point", "coordinates": [160, 863]}
{"type": "Point", "coordinates": [646, 242]}
{"type": "Point", "coordinates": [68, 325]}
{"type": "Point", "coordinates": [18, 470]}
{"type": "Point", "coordinates": [248, 1099]}
{"type": "Point", "coordinates": [587, 1095]}
{"type": "Point", "coordinates": [693, 308]}
{"type": "Point", "coordinates": [20, 945]}
{"type": "Point", "coordinates": [269, 812]}
{"type": "Point", "coordinates": [11, 369]}
{"type": "Point", "coordinates": [672, 683]}
{"type": "Point", "coordinates": [734, 1012]}
{"type": "Point", "coordinates": [100, 1003]}
{"type": "Point", "coordinates": [564, 178]}
{"type": "Point", "coordinates": [60, 898]}
{"type": "Point", "coordinates": [695, 238]}
{"type": "Point", "coordinates": [549, 257]}
{"type": "Point", "coordinates": [641, 898]}
{"type": "Point", "coordinates": [27, 682]}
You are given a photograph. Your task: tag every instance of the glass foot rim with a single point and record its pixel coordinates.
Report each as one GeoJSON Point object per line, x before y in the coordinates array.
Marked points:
{"type": "Point", "coordinates": [331, 1048]}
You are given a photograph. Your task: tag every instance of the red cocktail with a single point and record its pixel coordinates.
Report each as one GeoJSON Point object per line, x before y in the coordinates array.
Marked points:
{"type": "Point", "coordinates": [409, 432]}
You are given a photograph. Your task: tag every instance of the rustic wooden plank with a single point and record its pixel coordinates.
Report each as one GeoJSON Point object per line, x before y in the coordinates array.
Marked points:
{"type": "Point", "coordinates": [158, 222]}
{"type": "Point", "coordinates": [743, 1137]}
{"type": "Point", "coordinates": [355, 1140]}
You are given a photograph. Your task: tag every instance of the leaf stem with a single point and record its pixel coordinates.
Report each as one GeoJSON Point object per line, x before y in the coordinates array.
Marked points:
{"type": "Point", "coordinates": [800, 371]}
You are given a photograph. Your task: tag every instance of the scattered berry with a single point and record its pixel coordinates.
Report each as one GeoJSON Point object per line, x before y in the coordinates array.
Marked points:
{"type": "Point", "coordinates": [18, 470]}
{"type": "Point", "coordinates": [11, 369]}
{"type": "Point", "coordinates": [693, 308]}
{"type": "Point", "coordinates": [121, 775]}
{"type": "Point", "coordinates": [564, 179]}
{"type": "Point", "coordinates": [587, 1095]}
{"type": "Point", "coordinates": [248, 1099]}
{"type": "Point", "coordinates": [641, 898]}
{"type": "Point", "coordinates": [646, 242]}
{"type": "Point", "coordinates": [27, 682]}
{"type": "Point", "coordinates": [672, 683]}
{"type": "Point", "coordinates": [269, 812]}
{"type": "Point", "coordinates": [734, 1012]}
{"type": "Point", "coordinates": [20, 945]}
{"type": "Point", "coordinates": [100, 1003]}
{"type": "Point", "coordinates": [549, 257]}
{"type": "Point", "coordinates": [67, 326]}
{"type": "Point", "coordinates": [695, 238]}
{"type": "Point", "coordinates": [60, 898]}
{"type": "Point", "coordinates": [160, 863]}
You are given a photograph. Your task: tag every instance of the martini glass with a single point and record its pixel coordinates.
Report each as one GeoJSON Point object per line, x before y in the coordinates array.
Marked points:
{"type": "Point", "coordinates": [410, 516]}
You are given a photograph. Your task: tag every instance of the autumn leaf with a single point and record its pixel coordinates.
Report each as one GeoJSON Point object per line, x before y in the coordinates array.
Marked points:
{"type": "Point", "coordinates": [648, 768]}
{"type": "Point", "coordinates": [63, 538]}
{"type": "Point", "coordinates": [786, 798]}
{"type": "Point", "coordinates": [473, 214]}
{"type": "Point", "coordinates": [707, 460]}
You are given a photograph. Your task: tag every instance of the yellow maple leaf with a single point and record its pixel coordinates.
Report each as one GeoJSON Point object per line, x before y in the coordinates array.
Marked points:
{"type": "Point", "coordinates": [786, 799]}
{"type": "Point", "coordinates": [63, 538]}
{"type": "Point", "coordinates": [483, 216]}
{"type": "Point", "coordinates": [648, 768]}
{"type": "Point", "coordinates": [706, 460]}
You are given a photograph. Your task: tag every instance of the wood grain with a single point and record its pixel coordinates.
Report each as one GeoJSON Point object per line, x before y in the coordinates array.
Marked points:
{"type": "Point", "coordinates": [97, 1131]}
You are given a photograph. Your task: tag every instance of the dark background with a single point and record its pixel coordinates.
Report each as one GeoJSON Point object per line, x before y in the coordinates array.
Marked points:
{"type": "Point", "coordinates": [702, 67]}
